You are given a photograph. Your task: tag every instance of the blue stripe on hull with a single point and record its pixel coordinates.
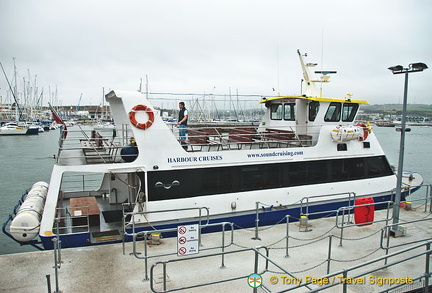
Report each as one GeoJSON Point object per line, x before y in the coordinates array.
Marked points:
{"type": "Point", "coordinates": [240, 221]}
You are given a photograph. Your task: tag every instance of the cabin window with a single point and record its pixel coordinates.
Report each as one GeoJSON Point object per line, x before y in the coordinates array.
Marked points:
{"type": "Point", "coordinates": [378, 166]}
{"type": "Point", "coordinates": [313, 110]}
{"type": "Point", "coordinates": [289, 112]}
{"type": "Point", "coordinates": [349, 112]}
{"type": "Point", "coordinates": [276, 112]}
{"type": "Point", "coordinates": [347, 169]}
{"type": "Point", "coordinates": [215, 181]}
{"type": "Point", "coordinates": [259, 177]}
{"type": "Point", "coordinates": [297, 174]}
{"type": "Point", "coordinates": [223, 180]}
{"type": "Point", "coordinates": [307, 172]}
{"type": "Point", "coordinates": [333, 112]}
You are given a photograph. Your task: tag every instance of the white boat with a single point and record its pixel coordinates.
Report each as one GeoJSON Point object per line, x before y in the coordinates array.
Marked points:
{"type": "Point", "coordinates": [53, 126]}
{"type": "Point", "coordinates": [36, 128]}
{"type": "Point", "coordinates": [399, 129]}
{"type": "Point", "coordinates": [104, 126]}
{"type": "Point", "coordinates": [14, 128]}
{"type": "Point", "coordinates": [306, 157]}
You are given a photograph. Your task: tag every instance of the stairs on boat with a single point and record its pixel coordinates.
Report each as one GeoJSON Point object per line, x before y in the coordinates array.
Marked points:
{"type": "Point", "coordinates": [106, 236]}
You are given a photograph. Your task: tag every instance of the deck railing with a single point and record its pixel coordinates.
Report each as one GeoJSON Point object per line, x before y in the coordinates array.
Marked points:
{"type": "Point", "coordinates": [87, 145]}
{"type": "Point", "coordinates": [219, 138]}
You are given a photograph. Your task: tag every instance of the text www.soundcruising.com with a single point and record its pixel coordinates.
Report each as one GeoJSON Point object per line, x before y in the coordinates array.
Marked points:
{"type": "Point", "coordinates": [276, 154]}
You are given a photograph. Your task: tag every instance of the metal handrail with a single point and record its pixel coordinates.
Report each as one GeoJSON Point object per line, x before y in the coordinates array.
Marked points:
{"type": "Point", "coordinates": [164, 264]}
{"type": "Point", "coordinates": [385, 231]}
{"type": "Point", "coordinates": [306, 198]}
{"type": "Point", "coordinates": [72, 143]}
{"type": "Point", "coordinates": [86, 228]}
{"type": "Point", "coordinates": [344, 272]}
{"type": "Point", "coordinates": [145, 235]}
{"type": "Point", "coordinates": [350, 224]}
{"type": "Point", "coordinates": [145, 213]}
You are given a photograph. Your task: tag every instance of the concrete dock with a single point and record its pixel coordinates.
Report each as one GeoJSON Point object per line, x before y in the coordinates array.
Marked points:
{"type": "Point", "coordinates": [312, 251]}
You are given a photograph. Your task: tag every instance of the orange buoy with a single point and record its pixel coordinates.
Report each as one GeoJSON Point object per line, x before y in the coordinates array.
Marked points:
{"type": "Point", "coordinates": [366, 131]}
{"type": "Point", "coordinates": [141, 108]}
{"type": "Point", "coordinates": [364, 211]}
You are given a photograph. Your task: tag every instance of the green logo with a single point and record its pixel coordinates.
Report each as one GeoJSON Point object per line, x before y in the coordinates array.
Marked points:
{"type": "Point", "coordinates": [255, 280]}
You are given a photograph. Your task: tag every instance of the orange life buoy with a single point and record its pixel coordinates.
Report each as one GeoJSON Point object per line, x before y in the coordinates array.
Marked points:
{"type": "Point", "coordinates": [141, 108]}
{"type": "Point", "coordinates": [365, 131]}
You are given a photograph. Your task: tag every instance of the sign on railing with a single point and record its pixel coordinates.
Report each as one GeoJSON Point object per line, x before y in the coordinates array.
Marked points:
{"type": "Point", "coordinates": [187, 239]}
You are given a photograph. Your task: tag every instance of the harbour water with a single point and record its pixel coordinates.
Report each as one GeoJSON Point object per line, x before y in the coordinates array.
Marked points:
{"type": "Point", "coordinates": [28, 159]}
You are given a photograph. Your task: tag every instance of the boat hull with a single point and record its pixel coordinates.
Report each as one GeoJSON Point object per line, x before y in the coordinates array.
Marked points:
{"type": "Point", "coordinates": [265, 218]}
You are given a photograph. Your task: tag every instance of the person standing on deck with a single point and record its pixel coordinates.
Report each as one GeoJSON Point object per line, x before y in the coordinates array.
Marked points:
{"type": "Point", "coordinates": [182, 123]}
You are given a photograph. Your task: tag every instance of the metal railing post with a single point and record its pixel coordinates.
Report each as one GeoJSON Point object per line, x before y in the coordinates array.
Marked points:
{"type": "Point", "coordinates": [48, 283]}
{"type": "Point", "coordinates": [329, 254]}
{"type": "Point", "coordinates": [123, 242]}
{"type": "Point", "coordinates": [427, 268]}
{"type": "Point", "coordinates": [342, 228]}
{"type": "Point", "coordinates": [256, 221]}
{"type": "Point", "coordinates": [232, 232]}
{"type": "Point", "coordinates": [256, 267]}
{"type": "Point", "coordinates": [164, 276]}
{"type": "Point", "coordinates": [287, 235]}
{"type": "Point", "coordinates": [388, 214]}
{"type": "Point", "coordinates": [57, 255]}
{"type": "Point", "coordinates": [388, 228]}
{"type": "Point", "coordinates": [430, 198]}
{"type": "Point", "coordinates": [345, 274]}
{"type": "Point", "coordinates": [58, 241]}
{"type": "Point", "coordinates": [145, 256]}
{"type": "Point", "coordinates": [56, 266]}
{"type": "Point", "coordinates": [199, 234]}
{"type": "Point", "coordinates": [223, 246]}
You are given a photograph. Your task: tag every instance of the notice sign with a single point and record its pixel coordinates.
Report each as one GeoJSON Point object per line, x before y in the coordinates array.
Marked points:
{"type": "Point", "coordinates": [187, 239]}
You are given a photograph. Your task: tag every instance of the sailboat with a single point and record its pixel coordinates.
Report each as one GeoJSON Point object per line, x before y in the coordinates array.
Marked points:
{"type": "Point", "coordinates": [14, 128]}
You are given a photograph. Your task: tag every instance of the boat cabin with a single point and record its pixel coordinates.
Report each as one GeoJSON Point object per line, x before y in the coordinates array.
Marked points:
{"type": "Point", "coordinates": [305, 116]}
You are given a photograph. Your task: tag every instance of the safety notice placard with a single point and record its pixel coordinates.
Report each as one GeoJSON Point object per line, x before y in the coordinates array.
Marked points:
{"type": "Point", "coordinates": [187, 239]}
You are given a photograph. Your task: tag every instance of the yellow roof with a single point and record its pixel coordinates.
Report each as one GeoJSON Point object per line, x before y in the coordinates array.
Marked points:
{"type": "Point", "coordinates": [314, 99]}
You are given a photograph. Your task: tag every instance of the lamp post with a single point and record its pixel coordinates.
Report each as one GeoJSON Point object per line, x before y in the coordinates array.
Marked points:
{"type": "Point", "coordinates": [399, 69]}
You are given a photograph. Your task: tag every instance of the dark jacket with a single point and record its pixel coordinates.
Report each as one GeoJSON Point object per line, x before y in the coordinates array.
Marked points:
{"type": "Point", "coordinates": [181, 116]}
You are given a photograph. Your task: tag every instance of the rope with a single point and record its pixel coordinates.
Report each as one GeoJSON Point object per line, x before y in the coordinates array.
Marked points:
{"type": "Point", "coordinates": [357, 259]}
{"type": "Point", "coordinates": [344, 238]}
{"type": "Point", "coordinates": [314, 237]}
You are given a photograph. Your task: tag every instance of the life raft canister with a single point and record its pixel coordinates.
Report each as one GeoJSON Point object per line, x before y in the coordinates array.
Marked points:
{"type": "Point", "coordinates": [141, 108]}
{"type": "Point", "coordinates": [346, 133]}
{"type": "Point", "coordinates": [364, 211]}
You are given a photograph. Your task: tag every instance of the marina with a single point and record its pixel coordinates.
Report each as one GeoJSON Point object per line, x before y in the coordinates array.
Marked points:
{"type": "Point", "coordinates": [307, 172]}
{"type": "Point", "coordinates": [307, 157]}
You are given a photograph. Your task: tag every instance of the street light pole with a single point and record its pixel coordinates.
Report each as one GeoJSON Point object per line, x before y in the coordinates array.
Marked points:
{"type": "Point", "coordinates": [413, 67]}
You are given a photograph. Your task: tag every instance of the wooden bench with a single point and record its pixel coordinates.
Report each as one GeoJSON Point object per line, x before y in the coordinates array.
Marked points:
{"type": "Point", "coordinates": [196, 137]}
{"type": "Point", "coordinates": [278, 136]}
{"type": "Point", "coordinates": [89, 144]}
{"type": "Point", "coordinates": [243, 137]}
{"type": "Point", "coordinates": [212, 131]}
{"type": "Point", "coordinates": [96, 141]}
{"type": "Point", "coordinates": [81, 207]}
{"type": "Point", "coordinates": [97, 148]}
{"type": "Point", "coordinates": [200, 139]}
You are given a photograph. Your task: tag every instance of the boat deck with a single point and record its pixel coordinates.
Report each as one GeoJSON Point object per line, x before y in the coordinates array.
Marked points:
{"type": "Point", "coordinates": [105, 146]}
{"type": "Point", "coordinates": [104, 224]}
{"type": "Point", "coordinates": [296, 253]}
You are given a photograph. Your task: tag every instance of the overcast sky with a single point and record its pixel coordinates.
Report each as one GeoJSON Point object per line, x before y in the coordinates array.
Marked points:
{"type": "Point", "coordinates": [184, 46]}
